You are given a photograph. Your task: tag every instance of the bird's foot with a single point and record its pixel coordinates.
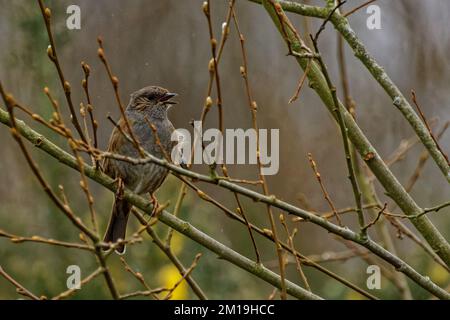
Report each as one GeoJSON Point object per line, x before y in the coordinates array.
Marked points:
{"type": "Point", "coordinates": [120, 188]}
{"type": "Point", "coordinates": [155, 210]}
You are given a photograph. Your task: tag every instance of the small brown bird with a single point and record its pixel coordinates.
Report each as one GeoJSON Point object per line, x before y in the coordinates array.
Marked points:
{"type": "Point", "coordinates": [147, 106]}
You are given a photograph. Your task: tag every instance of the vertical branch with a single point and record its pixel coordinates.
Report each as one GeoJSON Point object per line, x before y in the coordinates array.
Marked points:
{"type": "Point", "coordinates": [214, 75]}
{"type": "Point", "coordinates": [115, 83]}
{"type": "Point", "coordinates": [51, 51]}
{"type": "Point", "coordinates": [90, 109]}
{"type": "Point", "coordinates": [344, 133]}
{"type": "Point", "coordinates": [297, 259]}
{"type": "Point", "coordinates": [253, 109]}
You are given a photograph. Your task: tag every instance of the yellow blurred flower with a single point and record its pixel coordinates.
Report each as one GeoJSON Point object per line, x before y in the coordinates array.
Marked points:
{"type": "Point", "coordinates": [168, 277]}
{"type": "Point", "coordinates": [438, 274]}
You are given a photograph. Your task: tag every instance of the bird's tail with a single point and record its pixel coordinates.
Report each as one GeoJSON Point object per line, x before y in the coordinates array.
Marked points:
{"type": "Point", "coordinates": [117, 226]}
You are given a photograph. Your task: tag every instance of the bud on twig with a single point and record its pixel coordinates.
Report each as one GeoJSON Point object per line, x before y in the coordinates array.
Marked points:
{"type": "Point", "coordinates": [55, 116]}
{"type": "Point", "coordinates": [66, 87]}
{"type": "Point", "coordinates": [101, 54]}
{"type": "Point", "coordinates": [208, 103]}
{"type": "Point", "coordinates": [115, 81]}
{"type": "Point", "coordinates": [268, 232]}
{"type": "Point", "coordinates": [211, 65]}
{"type": "Point", "coordinates": [82, 110]}
{"type": "Point", "coordinates": [214, 43]}
{"type": "Point", "coordinates": [50, 53]}
{"type": "Point", "coordinates": [86, 68]}
{"type": "Point", "coordinates": [242, 70]}
{"type": "Point", "coordinates": [225, 29]}
{"type": "Point", "coordinates": [48, 13]}
{"type": "Point", "coordinates": [205, 8]}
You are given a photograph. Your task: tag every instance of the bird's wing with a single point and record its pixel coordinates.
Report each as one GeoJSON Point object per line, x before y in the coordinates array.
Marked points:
{"type": "Point", "coordinates": [115, 141]}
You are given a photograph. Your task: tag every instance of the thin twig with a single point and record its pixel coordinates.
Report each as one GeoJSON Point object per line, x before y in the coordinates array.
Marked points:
{"type": "Point", "coordinates": [115, 83]}
{"type": "Point", "coordinates": [51, 51]}
{"type": "Point", "coordinates": [300, 83]}
{"type": "Point", "coordinates": [342, 126]}
{"type": "Point", "coordinates": [89, 278]}
{"type": "Point", "coordinates": [20, 289]}
{"type": "Point", "coordinates": [205, 240]}
{"type": "Point", "coordinates": [425, 122]}
{"type": "Point", "coordinates": [358, 8]}
{"type": "Point", "coordinates": [253, 110]}
{"type": "Point", "coordinates": [19, 239]}
{"type": "Point", "coordinates": [166, 249]}
{"type": "Point", "coordinates": [297, 259]}
{"type": "Point", "coordinates": [324, 190]}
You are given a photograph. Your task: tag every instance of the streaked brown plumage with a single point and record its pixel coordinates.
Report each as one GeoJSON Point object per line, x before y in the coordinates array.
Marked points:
{"type": "Point", "coordinates": [147, 105]}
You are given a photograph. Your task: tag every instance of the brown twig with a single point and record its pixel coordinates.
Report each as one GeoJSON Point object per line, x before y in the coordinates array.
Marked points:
{"type": "Point", "coordinates": [422, 160]}
{"type": "Point", "coordinates": [424, 120]}
{"type": "Point", "coordinates": [51, 51]}
{"type": "Point", "coordinates": [342, 126]}
{"type": "Point", "coordinates": [253, 110]}
{"type": "Point", "coordinates": [20, 289]}
{"type": "Point", "coordinates": [115, 83]}
{"type": "Point", "coordinates": [39, 119]}
{"type": "Point", "coordinates": [89, 107]}
{"type": "Point", "coordinates": [290, 238]}
{"type": "Point", "coordinates": [268, 235]}
{"type": "Point", "coordinates": [214, 75]}
{"type": "Point", "coordinates": [300, 83]}
{"type": "Point", "coordinates": [10, 103]}
{"type": "Point", "coordinates": [166, 249]}
{"type": "Point", "coordinates": [158, 140]}
{"type": "Point", "coordinates": [61, 204]}
{"type": "Point", "coordinates": [19, 239]}
{"type": "Point", "coordinates": [85, 186]}
{"type": "Point", "coordinates": [183, 276]}
{"type": "Point", "coordinates": [381, 212]}
{"type": "Point", "coordinates": [358, 8]}
{"type": "Point", "coordinates": [324, 23]}
{"type": "Point", "coordinates": [89, 278]}
{"type": "Point", "coordinates": [324, 190]}
{"type": "Point", "coordinates": [139, 277]}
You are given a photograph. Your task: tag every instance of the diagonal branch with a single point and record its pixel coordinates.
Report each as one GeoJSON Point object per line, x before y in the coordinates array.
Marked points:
{"type": "Point", "coordinates": [167, 218]}
{"type": "Point", "coordinates": [208, 242]}
{"type": "Point", "coordinates": [390, 183]}
{"type": "Point", "coordinates": [341, 24]}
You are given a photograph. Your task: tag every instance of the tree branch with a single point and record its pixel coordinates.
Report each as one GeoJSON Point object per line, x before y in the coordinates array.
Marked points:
{"type": "Point", "coordinates": [390, 183]}
{"type": "Point", "coordinates": [208, 242]}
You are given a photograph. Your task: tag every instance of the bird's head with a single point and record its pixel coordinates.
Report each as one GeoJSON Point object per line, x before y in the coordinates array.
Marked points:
{"type": "Point", "coordinates": [153, 101]}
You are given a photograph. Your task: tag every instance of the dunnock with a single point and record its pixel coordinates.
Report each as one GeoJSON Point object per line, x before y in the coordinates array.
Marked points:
{"type": "Point", "coordinates": [148, 105]}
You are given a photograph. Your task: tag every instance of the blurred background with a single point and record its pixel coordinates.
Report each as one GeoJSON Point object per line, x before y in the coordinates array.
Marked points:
{"type": "Point", "coordinates": [166, 43]}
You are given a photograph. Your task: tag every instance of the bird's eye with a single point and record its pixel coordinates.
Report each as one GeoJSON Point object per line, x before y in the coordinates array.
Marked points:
{"type": "Point", "coordinates": [151, 96]}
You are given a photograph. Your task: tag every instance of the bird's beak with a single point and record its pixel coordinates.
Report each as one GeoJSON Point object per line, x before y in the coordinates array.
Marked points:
{"type": "Point", "coordinates": [166, 98]}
